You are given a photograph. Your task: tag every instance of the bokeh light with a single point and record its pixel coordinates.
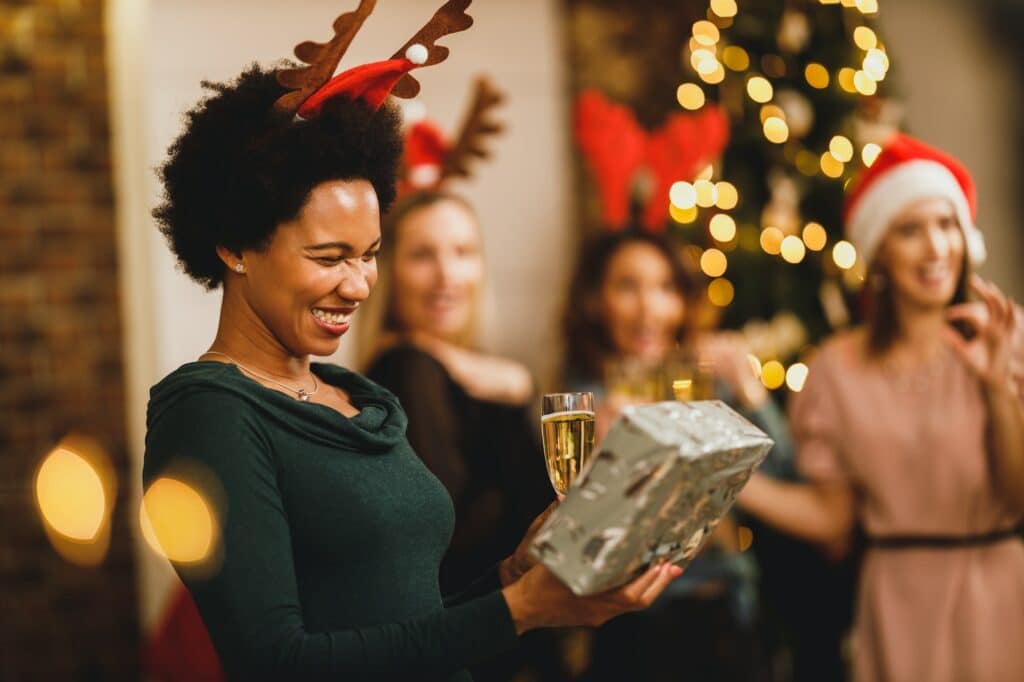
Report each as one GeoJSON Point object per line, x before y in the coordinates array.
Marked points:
{"type": "Point", "coordinates": [776, 130]}
{"type": "Point", "coordinates": [796, 375]}
{"type": "Point", "coordinates": [728, 196]}
{"type": "Point", "coordinates": [769, 110]}
{"type": "Point", "coordinates": [771, 240]}
{"type": "Point", "coordinates": [690, 96]}
{"type": "Point", "coordinates": [841, 148]}
{"type": "Point", "coordinates": [713, 263]}
{"type": "Point", "coordinates": [684, 216]}
{"type": "Point", "coordinates": [815, 236]}
{"type": "Point", "coordinates": [831, 166]}
{"type": "Point", "coordinates": [736, 58]}
{"type": "Point", "coordinates": [844, 254]}
{"type": "Point", "coordinates": [70, 495]}
{"type": "Point", "coordinates": [705, 33]}
{"type": "Point", "coordinates": [760, 89]}
{"type": "Point", "coordinates": [845, 79]}
{"type": "Point", "coordinates": [706, 192]}
{"type": "Point", "coordinates": [682, 194]}
{"type": "Point", "coordinates": [864, 38]}
{"type": "Point", "coordinates": [792, 249]}
{"type": "Point", "coordinates": [724, 8]}
{"type": "Point", "coordinates": [870, 153]}
{"type": "Point", "coordinates": [722, 227]}
{"type": "Point", "coordinates": [816, 75]}
{"type": "Point", "coordinates": [864, 84]}
{"type": "Point", "coordinates": [773, 374]}
{"type": "Point", "coordinates": [178, 522]}
{"type": "Point", "coordinates": [721, 292]}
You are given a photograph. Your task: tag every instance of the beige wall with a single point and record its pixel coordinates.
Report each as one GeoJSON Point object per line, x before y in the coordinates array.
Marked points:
{"type": "Point", "coordinates": [960, 94]}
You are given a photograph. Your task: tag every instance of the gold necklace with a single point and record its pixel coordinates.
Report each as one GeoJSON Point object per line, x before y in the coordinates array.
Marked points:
{"type": "Point", "coordinates": [300, 393]}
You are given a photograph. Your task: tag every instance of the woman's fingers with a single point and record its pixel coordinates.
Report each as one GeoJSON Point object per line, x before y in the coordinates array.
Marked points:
{"type": "Point", "coordinates": [632, 592]}
{"type": "Point", "coordinates": [975, 314]}
{"type": "Point", "coordinates": [669, 572]}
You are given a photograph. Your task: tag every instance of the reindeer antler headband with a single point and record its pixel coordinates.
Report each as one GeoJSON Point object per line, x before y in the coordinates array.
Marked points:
{"type": "Point", "coordinates": [430, 159]}
{"type": "Point", "coordinates": [313, 85]}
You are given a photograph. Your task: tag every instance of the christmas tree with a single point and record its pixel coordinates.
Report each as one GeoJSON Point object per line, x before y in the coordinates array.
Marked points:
{"type": "Point", "coordinates": [804, 85]}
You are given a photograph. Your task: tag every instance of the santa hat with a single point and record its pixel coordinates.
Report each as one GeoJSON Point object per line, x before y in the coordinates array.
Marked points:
{"type": "Point", "coordinates": [370, 83]}
{"type": "Point", "coordinates": [906, 171]}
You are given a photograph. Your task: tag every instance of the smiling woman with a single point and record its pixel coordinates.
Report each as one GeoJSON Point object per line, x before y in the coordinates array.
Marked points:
{"type": "Point", "coordinates": [330, 529]}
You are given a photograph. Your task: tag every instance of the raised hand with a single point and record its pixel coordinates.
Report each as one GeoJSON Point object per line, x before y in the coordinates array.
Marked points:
{"type": "Point", "coordinates": [992, 319]}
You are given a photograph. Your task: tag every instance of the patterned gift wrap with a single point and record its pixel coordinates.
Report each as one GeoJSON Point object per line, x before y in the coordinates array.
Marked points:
{"type": "Point", "coordinates": [656, 488]}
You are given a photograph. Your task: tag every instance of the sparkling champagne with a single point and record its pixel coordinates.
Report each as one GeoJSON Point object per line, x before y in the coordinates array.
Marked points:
{"type": "Point", "coordinates": [568, 441]}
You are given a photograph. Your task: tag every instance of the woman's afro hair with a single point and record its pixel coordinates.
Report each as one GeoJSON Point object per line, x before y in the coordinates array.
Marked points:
{"type": "Point", "coordinates": [240, 169]}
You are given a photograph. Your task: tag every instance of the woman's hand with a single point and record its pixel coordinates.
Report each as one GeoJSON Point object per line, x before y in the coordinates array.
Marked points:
{"type": "Point", "coordinates": [515, 566]}
{"type": "Point", "coordinates": [993, 319]}
{"type": "Point", "coordinates": [540, 599]}
{"type": "Point", "coordinates": [729, 359]}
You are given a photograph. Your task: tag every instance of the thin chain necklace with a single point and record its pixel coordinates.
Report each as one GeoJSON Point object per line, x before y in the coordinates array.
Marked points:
{"type": "Point", "coordinates": [300, 393]}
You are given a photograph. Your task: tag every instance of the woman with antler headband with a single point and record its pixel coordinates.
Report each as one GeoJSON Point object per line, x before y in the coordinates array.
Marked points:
{"type": "Point", "coordinates": [331, 529]}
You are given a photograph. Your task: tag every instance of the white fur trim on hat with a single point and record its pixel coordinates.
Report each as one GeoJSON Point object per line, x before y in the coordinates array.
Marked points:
{"type": "Point", "coordinates": [872, 214]}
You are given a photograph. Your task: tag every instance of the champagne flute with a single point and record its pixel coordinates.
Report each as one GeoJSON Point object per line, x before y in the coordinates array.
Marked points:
{"type": "Point", "coordinates": [567, 425]}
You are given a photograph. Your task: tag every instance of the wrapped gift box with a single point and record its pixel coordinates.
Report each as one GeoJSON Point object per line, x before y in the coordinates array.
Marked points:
{"type": "Point", "coordinates": [655, 489]}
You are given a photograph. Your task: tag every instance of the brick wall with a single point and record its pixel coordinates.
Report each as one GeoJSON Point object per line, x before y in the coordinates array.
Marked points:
{"type": "Point", "coordinates": [60, 340]}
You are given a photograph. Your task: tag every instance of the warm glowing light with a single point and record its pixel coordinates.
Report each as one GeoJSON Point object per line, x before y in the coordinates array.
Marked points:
{"type": "Point", "coordinates": [792, 249]}
{"type": "Point", "coordinates": [776, 130]}
{"type": "Point", "coordinates": [728, 196]}
{"type": "Point", "coordinates": [736, 58]}
{"type": "Point", "coordinates": [870, 153]}
{"type": "Point", "coordinates": [831, 166]}
{"type": "Point", "coordinates": [683, 195]}
{"type": "Point", "coordinates": [865, 38]}
{"type": "Point", "coordinates": [707, 173]}
{"type": "Point", "coordinates": [845, 79]}
{"type": "Point", "coordinates": [690, 96]}
{"type": "Point", "coordinates": [867, 6]}
{"type": "Point", "coordinates": [796, 375]}
{"type": "Point", "coordinates": [841, 148]}
{"type": "Point", "coordinates": [705, 33]}
{"type": "Point", "coordinates": [864, 84]}
{"type": "Point", "coordinates": [703, 60]}
{"type": "Point", "coordinates": [816, 75]}
{"type": "Point", "coordinates": [759, 89]}
{"type": "Point", "coordinates": [724, 8]}
{"type": "Point", "coordinates": [713, 263]}
{"type": "Point", "coordinates": [755, 364]}
{"type": "Point", "coordinates": [721, 292]}
{"type": "Point", "coordinates": [722, 227]}
{"type": "Point", "coordinates": [744, 538]}
{"type": "Point", "coordinates": [815, 236]}
{"type": "Point", "coordinates": [807, 162]}
{"type": "Point", "coordinates": [684, 216]}
{"type": "Point", "coordinates": [177, 522]}
{"type": "Point", "coordinates": [773, 374]}
{"type": "Point", "coordinates": [771, 240]}
{"type": "Point", "coordinates": [844, 254]}
{"type": "Point", "coordinates": [707, 195]}
{"type": "Point", "coordinates": [876, 64]}
{"type": "Point", "coordinates": [715, 77]}
{"type": "Point", "coordinates": [70, 495]}
{"type": "Point", "coordinates": [769, 110]}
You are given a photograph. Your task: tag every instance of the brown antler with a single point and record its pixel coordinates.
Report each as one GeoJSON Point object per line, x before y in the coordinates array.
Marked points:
{"type": "Point", "coordinates": [322, 58]}
{"type": "Point", "coordinates": [451, 18]}
{"type": "Point", "coordinates": [476, 126]}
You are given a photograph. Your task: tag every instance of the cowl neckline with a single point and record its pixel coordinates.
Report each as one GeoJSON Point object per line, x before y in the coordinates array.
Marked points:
{"type": "Point", "coordinates": [379, 426]}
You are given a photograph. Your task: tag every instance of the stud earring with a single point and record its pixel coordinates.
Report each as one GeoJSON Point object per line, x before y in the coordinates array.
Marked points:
{"type": "Point", "coordinates": [239, 268]}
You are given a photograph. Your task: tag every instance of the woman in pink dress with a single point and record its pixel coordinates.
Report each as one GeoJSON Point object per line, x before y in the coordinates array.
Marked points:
{"type": "Point", "coordinates": [913, 426]}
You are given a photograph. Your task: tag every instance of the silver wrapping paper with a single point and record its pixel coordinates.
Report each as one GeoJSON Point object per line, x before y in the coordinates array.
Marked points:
{"type": "Point", "coordinates": [656, 488]}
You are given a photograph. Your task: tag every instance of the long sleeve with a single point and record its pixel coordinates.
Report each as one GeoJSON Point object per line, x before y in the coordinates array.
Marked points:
{"type": "Point", "coordinates": [251, 604]}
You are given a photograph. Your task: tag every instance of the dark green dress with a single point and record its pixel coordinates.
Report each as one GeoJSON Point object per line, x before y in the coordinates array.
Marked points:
{"type": "Point", "coordinates": [333, 532]}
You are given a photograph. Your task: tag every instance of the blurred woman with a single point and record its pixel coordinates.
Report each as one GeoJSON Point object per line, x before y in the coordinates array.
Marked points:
{"type": "Point", "coordinates": [471, 417]}
{"type": "Point", "coordinates": [628, 305]}
{"type": "Point", "coordinates": [915, 429]}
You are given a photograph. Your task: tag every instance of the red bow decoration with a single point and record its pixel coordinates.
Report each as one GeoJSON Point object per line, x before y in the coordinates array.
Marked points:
{"type": "Point", "coordinates": [616, 148]}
